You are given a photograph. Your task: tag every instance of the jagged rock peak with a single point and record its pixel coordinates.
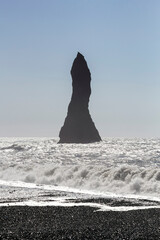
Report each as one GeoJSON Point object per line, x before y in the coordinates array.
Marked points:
{"type": "Point", "coordinates": [79, 55]}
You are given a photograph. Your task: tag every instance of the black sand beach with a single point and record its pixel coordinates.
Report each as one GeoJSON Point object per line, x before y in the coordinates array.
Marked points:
{"type": "Point", "coordinates": [77, 223]}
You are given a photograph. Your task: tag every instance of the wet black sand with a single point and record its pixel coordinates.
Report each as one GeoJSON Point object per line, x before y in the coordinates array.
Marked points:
{"type": "Point", "coordinates": [77, 223]}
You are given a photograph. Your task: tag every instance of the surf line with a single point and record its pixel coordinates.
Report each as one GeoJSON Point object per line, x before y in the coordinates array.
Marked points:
{"type": "Point", "coordinates": [20, 184]}
{"type": "Point", "coordinates": [99, 207]}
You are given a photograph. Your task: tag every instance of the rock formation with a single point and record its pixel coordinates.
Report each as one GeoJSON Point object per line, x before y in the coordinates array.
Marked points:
{"type": "Point", "coordinates": [78, 126]}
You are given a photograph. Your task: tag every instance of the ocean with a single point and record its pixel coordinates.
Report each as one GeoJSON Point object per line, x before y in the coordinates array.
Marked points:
{"type": "Point", "coordinates": [38, 171]}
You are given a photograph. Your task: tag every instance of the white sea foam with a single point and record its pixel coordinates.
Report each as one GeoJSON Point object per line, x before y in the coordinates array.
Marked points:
{"type": "Point", "coordinates": [101, 207]}
{"type": "Point", "coordinates": [115, 166]}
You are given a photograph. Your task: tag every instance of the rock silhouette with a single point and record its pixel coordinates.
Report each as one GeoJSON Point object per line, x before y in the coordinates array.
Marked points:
{"type": "Point", "coordinates": [78, 126]}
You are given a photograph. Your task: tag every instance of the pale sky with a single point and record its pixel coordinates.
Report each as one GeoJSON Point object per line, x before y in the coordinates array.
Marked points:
{"type": "Point", "coordinates": [120, 41]}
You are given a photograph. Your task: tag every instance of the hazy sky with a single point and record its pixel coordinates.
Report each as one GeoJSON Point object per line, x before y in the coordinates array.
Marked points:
{"type": "Point", "coordinates": [120, 39]}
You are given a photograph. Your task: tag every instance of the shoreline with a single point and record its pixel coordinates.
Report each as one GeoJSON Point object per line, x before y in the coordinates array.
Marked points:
{"type": "Point", "coordinates": [24, 222]}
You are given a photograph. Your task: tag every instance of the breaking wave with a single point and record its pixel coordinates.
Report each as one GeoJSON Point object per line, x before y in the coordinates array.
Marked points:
{"type": "Point", "coordinates": [121, 180]}
{"type": "Point", "coordinates": [124, 179]}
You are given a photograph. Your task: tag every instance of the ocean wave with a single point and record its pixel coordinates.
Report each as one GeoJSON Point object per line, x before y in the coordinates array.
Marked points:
{"type": "Point", "coordinates": [122, 180]}
{"type": "Point", "coordinates": [15, 147]}
{"type": "Point", "coordinates": [123, 166]}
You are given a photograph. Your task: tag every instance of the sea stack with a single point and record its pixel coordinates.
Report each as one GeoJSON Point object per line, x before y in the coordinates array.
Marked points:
{"type": "Point", "coordinates": [78, 126]}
